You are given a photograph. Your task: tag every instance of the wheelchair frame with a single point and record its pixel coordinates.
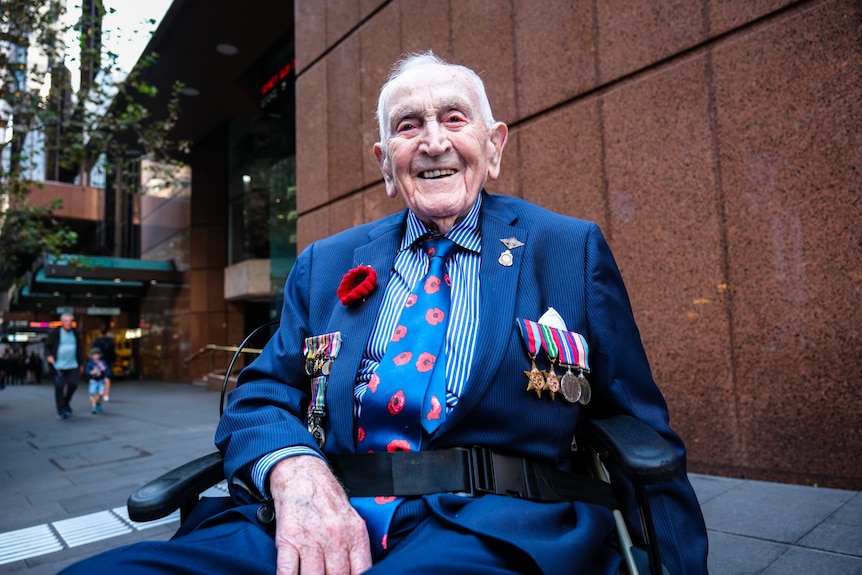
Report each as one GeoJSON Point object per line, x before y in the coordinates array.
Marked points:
{"type": "Point", "coordinates": [643, 456]}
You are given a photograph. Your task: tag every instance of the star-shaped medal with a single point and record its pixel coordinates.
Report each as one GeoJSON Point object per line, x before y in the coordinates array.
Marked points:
{"type": "Point", "coordinates": [537, 379]}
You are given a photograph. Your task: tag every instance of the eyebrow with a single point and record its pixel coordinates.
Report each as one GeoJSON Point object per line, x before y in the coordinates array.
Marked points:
{"type": "Point", "coordinates": [397, 114]}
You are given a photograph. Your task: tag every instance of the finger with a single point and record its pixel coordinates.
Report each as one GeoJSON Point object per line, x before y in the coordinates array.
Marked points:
{"type": "Point", "coordinates": [359, 548]}
{"type": "Point", "coordinates": [360, 560]}
{"type": "Point", "coordinates": [287, 561]}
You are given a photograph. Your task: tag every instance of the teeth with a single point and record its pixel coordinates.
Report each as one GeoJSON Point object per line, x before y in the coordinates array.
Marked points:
{"type": "Point", "coordinates": [436, 173]}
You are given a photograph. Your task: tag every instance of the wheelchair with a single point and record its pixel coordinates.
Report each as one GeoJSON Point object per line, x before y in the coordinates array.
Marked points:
{"type": "Point", "coordinates": [643, 456]}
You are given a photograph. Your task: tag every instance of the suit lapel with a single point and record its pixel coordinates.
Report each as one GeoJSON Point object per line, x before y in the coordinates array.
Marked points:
{"type": "Point", "coordinates": [355, 323]}
{"type": "Point", "coordinates": [497, 301]}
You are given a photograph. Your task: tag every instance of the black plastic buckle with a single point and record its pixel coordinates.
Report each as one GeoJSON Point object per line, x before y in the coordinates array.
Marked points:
{"type": "Point", "coordinates": [496, 473]}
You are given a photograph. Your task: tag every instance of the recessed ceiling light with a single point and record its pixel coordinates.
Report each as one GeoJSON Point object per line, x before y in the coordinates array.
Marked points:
{"type": "Point", "coordinates": [226, 49]}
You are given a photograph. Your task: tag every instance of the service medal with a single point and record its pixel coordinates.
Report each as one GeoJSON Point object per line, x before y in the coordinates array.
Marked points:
{"type": "Point", "coordinates": [586, 391]}
{"type": "Point", "coordinates": [531, 337]}
{"type": "Point", "coordinates": [552, 383]}
{"type": "Point", "coordinates": [309, 367]}
{"type": "Point", "coordinates": [571, 386]}
{"type": "Point", "coordinates": [318, 434]}
{"type": "Point", "coordinates": [536, 380]}
{"type": "Point", "coordinates": [327, 366]}
{"type": "Point", "coordinates": [574, 354]}
{"type": "Point", "coordinates": [551, 344]}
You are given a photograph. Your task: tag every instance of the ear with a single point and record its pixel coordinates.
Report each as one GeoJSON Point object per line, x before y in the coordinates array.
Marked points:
{"type": "Point", "coordinates": [385, 168]}
{"type": "Point", "coordinates": [496, 142]}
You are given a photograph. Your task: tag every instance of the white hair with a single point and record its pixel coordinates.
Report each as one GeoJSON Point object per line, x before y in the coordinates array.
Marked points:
{"type": "Point", "coordinates": [413, 60]}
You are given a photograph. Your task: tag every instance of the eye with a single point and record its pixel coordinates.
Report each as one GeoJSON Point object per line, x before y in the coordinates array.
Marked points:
{"type": "Point", "coordinates": [455, 118]}
{"type": "Point", "coordinates": [405, 126]}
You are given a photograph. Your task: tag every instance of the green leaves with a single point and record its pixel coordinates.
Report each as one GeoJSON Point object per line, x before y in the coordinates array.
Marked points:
{"type": "Point", "coordinates": [108, 116]}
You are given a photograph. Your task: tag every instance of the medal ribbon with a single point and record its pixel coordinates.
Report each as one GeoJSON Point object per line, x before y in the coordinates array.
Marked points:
{"type": "Point", "coordinates": [319, 349]}
{"type": "Point", "coordinates": [318, 395]}
{"type": "Point", "coordinates": [574, 349]}
{"type": "Point", "coordinates": [549, 342]}
{"type": "Point", "coordinates": [322, 347]}
{"type": "Point", "coordinates": [531, 334]}
{"type": "Point", "coordinates": [334, 345]}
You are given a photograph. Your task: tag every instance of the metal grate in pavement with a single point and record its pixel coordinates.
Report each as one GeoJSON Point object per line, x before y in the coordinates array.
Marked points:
{"type": "Point", "coordinates": [42, 539]}
{"type": "Point", "coordinates": [89, 528]}
{"type": "Point", "coordinates": [123, 513]}
{"type": "Point", "coordinates": [29, 542]}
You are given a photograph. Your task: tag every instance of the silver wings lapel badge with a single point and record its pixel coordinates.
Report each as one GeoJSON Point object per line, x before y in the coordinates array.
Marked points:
{"type": "Point", "coordinates": [505, 258]}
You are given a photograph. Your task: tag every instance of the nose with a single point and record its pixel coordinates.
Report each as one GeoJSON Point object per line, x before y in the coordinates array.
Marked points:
{"type": "Point", "coordinates": [435, 139]}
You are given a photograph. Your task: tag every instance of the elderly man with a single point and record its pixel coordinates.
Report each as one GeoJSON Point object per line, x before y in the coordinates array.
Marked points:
{"type": "Point", "coordinates": [65, 354]}
{"type": "Point", "coordinates": [466, 320]}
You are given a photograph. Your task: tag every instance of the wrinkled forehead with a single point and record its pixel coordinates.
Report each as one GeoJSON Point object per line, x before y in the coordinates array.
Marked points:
{"type": "Point", "coordinates": [430, 87]}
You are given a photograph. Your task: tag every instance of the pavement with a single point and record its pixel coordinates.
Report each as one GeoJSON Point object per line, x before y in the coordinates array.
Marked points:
{"type": "Point", "coordinates": [64, 484]}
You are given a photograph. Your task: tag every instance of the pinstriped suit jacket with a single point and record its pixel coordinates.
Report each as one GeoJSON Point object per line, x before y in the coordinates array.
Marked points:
{"type": "Point", "coordinates": [565, 264]}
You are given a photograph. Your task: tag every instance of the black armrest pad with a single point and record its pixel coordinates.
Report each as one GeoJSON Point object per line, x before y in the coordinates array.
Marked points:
{"type": "Point", "coordinates": [644, 456]}
{"type": "Point", "coordinates": [162, 496]}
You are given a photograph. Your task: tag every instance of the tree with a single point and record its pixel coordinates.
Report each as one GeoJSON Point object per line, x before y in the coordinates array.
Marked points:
{"type": "Point", "coordinates": [105, 118]}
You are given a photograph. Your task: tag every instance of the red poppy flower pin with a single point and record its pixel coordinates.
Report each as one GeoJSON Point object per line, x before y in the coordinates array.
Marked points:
{"type": "Point", "coordinates": [357, 284]}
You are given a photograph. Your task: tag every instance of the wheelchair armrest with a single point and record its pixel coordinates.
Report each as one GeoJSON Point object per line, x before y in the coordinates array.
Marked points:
{"type": "Point", "coordinates": [176, 488]}
{"type": "Point", "coordinates": [643, 455]}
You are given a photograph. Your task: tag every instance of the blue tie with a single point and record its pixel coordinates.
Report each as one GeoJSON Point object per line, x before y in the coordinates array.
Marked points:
{"type": "Point", "coordinates": [408, 392]}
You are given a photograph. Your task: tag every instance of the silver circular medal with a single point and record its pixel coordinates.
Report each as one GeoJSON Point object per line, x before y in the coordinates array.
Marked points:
{"type": "Point", "coordinates": [506, 259]}
{"type": "Point", "coordinates": [586, 391]}
{"type": "Point", "coordinates": [309, 367]}
{"type": "Point", "coordinates": [319, 435]}
{"type": "Point", "coordinates": [327, 366]}
{"type": "Point", "coordinates": [571, 387]}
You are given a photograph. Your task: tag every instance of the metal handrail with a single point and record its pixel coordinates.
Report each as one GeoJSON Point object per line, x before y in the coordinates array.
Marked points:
{"type": "Point", "coordinates": [211, 347]}
{"type": "Point", "coordinates": [236, 349]}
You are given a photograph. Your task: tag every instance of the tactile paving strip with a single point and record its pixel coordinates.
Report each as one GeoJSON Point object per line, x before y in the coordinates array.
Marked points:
{"type": "Point", "coordinates": [29, 542]}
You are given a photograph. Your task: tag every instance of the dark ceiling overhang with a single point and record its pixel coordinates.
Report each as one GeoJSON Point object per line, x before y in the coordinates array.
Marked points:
{"type": "Point", "coordinates": [117, 270]}
{"type": "Point", "coordinates": [87, 281]}
{"type": "Point", "coordinates": [191, 43]}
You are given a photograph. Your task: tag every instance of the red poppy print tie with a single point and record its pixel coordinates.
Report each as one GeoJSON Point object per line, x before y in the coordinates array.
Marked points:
{"type": "Point", "coordinates": [408, 392]}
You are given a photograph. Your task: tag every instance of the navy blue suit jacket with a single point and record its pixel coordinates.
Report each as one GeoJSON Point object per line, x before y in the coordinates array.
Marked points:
{"type": "Point", "coordinates": [565, 264]}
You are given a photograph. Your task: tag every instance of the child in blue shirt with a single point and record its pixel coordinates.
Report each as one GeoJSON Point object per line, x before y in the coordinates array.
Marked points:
{"type": "Point", "coordinates": [97, 370]}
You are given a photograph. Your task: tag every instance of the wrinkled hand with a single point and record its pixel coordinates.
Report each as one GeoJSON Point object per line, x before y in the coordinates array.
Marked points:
{"type": "Point", "coordinates": [317, 530]}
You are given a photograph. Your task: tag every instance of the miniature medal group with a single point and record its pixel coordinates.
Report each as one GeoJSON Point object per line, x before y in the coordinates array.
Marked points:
{"type": "Point", "coordinates": [320, 351]}
{"type": "Point", "coordinates": [566, 347]}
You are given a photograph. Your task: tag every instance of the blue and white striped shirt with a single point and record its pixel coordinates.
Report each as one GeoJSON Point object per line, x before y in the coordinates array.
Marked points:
{"type": "Point", "coordinates": [410, 265]}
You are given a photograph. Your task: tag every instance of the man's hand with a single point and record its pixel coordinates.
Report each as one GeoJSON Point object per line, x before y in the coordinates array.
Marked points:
{"type": "Point", "coordinates": [317, 530]}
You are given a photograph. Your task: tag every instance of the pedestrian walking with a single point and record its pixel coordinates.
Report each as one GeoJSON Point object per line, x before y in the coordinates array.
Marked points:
{"type": "Point", "coordinates": [65, 355]}
{"type": "Point", "coordinates": [105, 343]}
{"type": "Point", "coordinates": [97, 370]}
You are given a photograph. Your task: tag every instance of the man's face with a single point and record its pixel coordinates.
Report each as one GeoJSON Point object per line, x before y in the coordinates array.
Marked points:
{"type": "Point", "coordinates": [439, 152]}
{"type": "Point", "coordinates": [66, 322]}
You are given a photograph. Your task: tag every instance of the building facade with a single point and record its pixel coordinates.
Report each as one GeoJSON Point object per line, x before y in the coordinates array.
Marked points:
{"type": "Point", "coordinates": [715, 143]}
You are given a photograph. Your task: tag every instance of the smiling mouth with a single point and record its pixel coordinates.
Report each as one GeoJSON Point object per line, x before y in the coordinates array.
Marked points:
{"type": "Point", "coordinates": [434, 174]}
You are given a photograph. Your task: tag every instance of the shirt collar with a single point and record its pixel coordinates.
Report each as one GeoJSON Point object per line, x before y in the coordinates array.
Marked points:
{"type": "Point", "coordinates": [466, 233]}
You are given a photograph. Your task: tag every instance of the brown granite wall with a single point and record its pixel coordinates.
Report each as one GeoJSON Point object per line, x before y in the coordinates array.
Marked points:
{"type": "Point", "coordinates": [717, 143]}
{"type": "Point", "coordinates": [207, 317]}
